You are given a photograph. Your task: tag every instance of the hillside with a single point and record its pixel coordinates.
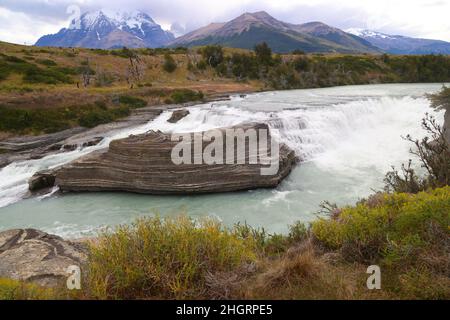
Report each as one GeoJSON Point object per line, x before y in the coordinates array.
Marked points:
{"type": "Point", "coordinates": [46, 90]}
{"type": "Point", "coordinates": [250, 29]}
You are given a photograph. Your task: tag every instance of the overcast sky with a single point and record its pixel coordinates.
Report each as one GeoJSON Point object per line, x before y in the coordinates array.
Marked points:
{"type": "Point", "coordinates": [24, 21]}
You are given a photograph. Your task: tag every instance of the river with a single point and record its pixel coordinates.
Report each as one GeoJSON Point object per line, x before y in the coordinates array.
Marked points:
{"type": "Point", "coordinates": [348, 137]}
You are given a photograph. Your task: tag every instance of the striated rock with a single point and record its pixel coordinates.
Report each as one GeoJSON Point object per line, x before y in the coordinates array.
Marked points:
{"type": "Point", "coordinates": [177, 115]}
{"type": "Point", "coordinates": [41, 180]}
{"type": "Point", "coordinates": [32, 255]}
{"type": "Point", "coordinates": [143, 164]}
{"type": "Point", "coordinates": [26, 143]}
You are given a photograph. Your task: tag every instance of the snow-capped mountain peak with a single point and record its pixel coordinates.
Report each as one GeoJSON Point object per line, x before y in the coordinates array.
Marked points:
{"type": "Point", "coordinates": [365, 33]}
{"type": "Point", "coordinates": [397, 44]}
{"type": "Point", "coordinates": [119, 19]}
{"type": "Point", "coordinates": [110, 29]}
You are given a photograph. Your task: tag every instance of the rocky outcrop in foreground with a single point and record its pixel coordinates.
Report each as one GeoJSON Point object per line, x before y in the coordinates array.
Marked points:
{"type": "Point", "coordinates": [33, 255]}
{"type": "Point", "coordinates": [143, 164]}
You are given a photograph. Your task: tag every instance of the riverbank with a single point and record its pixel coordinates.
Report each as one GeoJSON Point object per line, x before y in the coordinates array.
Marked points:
{"type": "Point", "coordinates": [327, 260]}
{"type": "Point", "coordinates": [25, 147]}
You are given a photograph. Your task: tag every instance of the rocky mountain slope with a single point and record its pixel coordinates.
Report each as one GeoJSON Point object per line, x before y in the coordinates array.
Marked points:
{"type": "Point", "coordinates": [396, 44]}
{"type": "Point", "coordinates": [106, 30]}
{"type": "Point", "coordinates": [251, 28]}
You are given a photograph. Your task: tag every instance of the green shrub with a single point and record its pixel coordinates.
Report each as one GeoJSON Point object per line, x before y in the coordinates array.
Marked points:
{"type": "Point", "coordinates": [301, 64]}
{"type": "Point", "coordinates": [186, 95]}
{"type": "Point", "coordinates": [440, 100]}
{"type": "Point", "coordinates": [263, 54]}
{"type": "Point", "coordinates": [170, 258]}
{"type": "Point", "coordinates": [70, 54]}
{"type": "Point", "coordinates": [101, 52]}
{"type": "Point", "coordinates": [132, 102]}
{"type": "Point", "coordinates": [389, 230]}
{"type": "Point", "coordinates": [94, 118]}
{"type": "Point", "coordinates": [13, 59]}
{"type": "Point", "coordinates": [37, 121]}
{"type": "Point", "coordinates": [212, 55]}
{"type": "Point", "coordinates": [123, 53]}
{"type": "Point", "coordinates": [169, 64]}
{"type": "Point", "coordinates": [273, 244]}
{"type": "Point", "coordinates": [244, 66]}
{"type": "Point", "coordinates": [46, 62]}
{"type": "Point", "coordinates": [298, 52]}
{"type": "Point", "coordinates": [67, 70]}
{"type": "Point", "coordinates": [15, 290]}
{"type": "Point", "coordinates": [22, 120]}
{"type": "Point", "coordinates": [49, 76]}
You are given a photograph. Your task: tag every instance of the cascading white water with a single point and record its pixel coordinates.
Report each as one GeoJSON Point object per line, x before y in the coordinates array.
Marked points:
{"type": "Point", "coordinates": [14, 177]}
{"type": "Point", "coordinates": [315, 131]}
{"type": "Point", "coordinates": [348, 136]}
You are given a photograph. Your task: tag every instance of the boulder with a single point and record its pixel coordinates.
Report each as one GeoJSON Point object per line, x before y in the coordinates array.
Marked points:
{"type": "Point", "coordinates": [33, 255]}
{"type": "Point", "coordinates": [143, 164]}
{"type": "Point", "coordinates": [41, 180]}
{"type": "Point", "coordinates": [93, 142]}
{"type": "Point", "coordinates": [177, 115]}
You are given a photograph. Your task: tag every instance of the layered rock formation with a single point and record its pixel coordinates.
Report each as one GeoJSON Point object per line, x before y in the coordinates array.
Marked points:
{"type": "Point", "coordinates": [143, 164]}
{"type": "Point", "coordinates": [32, 255]}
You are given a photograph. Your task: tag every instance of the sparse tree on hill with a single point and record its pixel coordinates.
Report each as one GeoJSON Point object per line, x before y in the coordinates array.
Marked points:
{"type": "Point", "coordinates": [135, 69]}
{"type": "Point", "coordinates": [169, 63]}
{"type": "Point", "coordinates": [213, 55]}
{"type": "Point", "coordinates": [86, 73]}
{"type": "Point", "coordinates": [263, 54]}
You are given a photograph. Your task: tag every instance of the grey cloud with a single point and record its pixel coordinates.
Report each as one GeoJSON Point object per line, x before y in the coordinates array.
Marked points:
{"type": "Point", "coordinates": [196, 13]}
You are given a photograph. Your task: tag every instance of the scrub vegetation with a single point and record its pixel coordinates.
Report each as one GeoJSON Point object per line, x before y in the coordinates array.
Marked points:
{"type": "Point", "coordinates": [407, 235]}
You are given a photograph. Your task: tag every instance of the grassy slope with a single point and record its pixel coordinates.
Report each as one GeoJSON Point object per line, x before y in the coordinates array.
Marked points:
{"type": "Point", "coordinates": [116, 66]}
{"type": "Point", "coordinates": [38, 83]}
{"type": "Point", "coordinates": [40, 94]}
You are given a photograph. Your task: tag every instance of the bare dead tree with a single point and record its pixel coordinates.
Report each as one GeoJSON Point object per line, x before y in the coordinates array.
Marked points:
{"type": "Point", "coordinates": [136, 68]}
{"type": "Point", "coordinates": [86, 73]}
{"type": "Point", "coordinates": [433, 153]}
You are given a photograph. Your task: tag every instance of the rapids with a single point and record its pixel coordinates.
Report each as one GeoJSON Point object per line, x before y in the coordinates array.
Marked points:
{"type": "Point", "coordinates": [348, 137]}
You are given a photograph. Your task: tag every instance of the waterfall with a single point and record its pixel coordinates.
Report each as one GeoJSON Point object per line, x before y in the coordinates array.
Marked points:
{"type": "Point", "coordinates": [338, 132]}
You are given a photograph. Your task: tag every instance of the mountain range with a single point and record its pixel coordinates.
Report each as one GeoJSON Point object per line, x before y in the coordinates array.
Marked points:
{"type": "Point", "coordinates": [249, 29]}
{"type": "Point", "coordinates": [108, 30]}
{"type": "Point", "coordinates": [396, 44]}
